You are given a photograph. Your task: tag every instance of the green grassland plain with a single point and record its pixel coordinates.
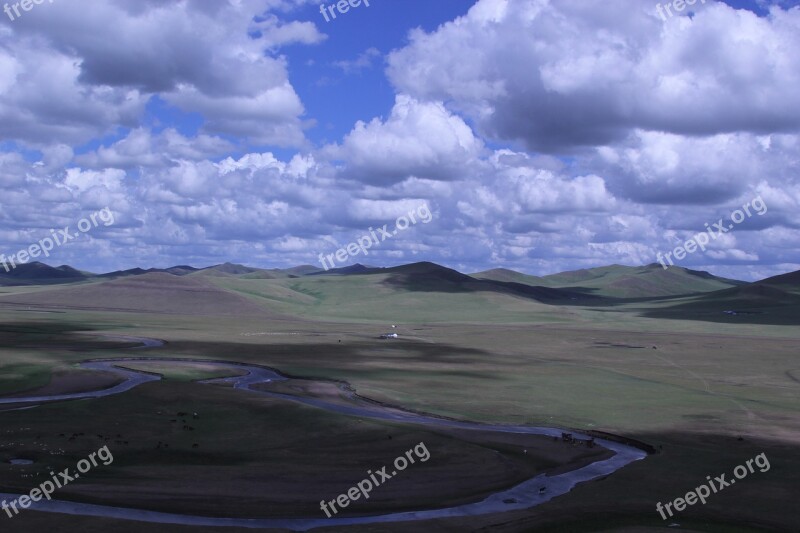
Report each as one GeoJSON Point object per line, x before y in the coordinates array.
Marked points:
{"type": "Point", "coordinates": [707, 395]}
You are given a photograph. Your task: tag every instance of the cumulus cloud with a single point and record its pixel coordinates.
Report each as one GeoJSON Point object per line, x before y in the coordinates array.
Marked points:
{"type": "Point", "coordinates": [42, 100]}
{"type": "Point", "coordinates": [419, 139]}
{"type": "Point", "coordinates": [364, 60]}
{"type": "Point", "coordinates": [569, 74]}
{"type": "Point", "coordinates": [544, 135]}
{"type": "Point", "coordinates": [202, 57]}
{"type": "Point", "coordinates": [654, 167]}
{"type": "Point", "coordinates": [143, 148]}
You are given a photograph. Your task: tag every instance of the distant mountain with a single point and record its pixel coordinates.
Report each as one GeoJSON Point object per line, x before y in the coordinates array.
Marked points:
{"type": "Point", "coordinates": [37, 273]}
{"type": "Point", "coordinates": [37, 270]}
{"type": "Point", "coordinates": [225, 269]}
{"type": "Point", "coordinates": [155, 292]}
{"type": "Point", "coordinates": [302, 270]}
{"type": "Point", "coordinates": [279, 273]}
{"type": "Point", "coordinates": [72, 272]}
{"type": "Point", "coordinates": [181, 270]}
{"type": "Point", "coordinates": [364, 292]}
{"type": "Point", "coordinates": [577, 287]}
{"type": "Point", "coordinates": [358, 268]}
{"type": "Point", "coordinates": [415, 292]}
{"type": "Point", "coordinates": [121, 273]}
{"type": "Point", "coordinates": [618, 281]}
{"type": "Point", "coordinates": [232, 269]}
{"type": "Point", "coordinates": [426, 276]}
{"type": "Point", "coordinates": [422, 272]}
{"type": "Point", "coordinates": [773, 300]}
{"type": "Point", "coordinates": [504, 274]}
{"type": "Point", "coordinates": [245, 272]}
{"type": "Point", "coordinates": [422, 275]}
{"type": "Point", "coordinates": [751, 296]}
{"type": "Point", "coordinates": [790, 281]}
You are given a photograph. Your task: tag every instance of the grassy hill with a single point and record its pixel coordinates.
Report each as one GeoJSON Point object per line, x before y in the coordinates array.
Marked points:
{"type": "Point", "coordinates": [37, 273]}
{"type": "Point", "coordinates": [771, 301]}
{"type": "Point", "coordinates": [512, 276]}
{"type": "Point", "coordinates": [706, 395]}
{"type": "Point", "coordinates": [147, 293]}
{"type": "Point", "coordinates": [419, 292]}
{"type": "Point", "coordinates": [180, 270]}
{"type": "Point", "coordinates": [787, 282]}
{"type": "Point", "coordinates": [617, 281]}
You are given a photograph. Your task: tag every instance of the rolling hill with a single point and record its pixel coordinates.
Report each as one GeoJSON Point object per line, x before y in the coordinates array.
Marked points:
{"type": "Point", "coordinates": [512, 276]}
{"type": "Point", "coordinates": [181, 270]}
{"type": "Point", "coordinates": [37, 273]}
{"type": "Point", "coordinates": [423, 291]}
{"type": "Point", "coordinates": [788, 282]}
{"type": "Point", "coordinates": [155, 292]}
{"type": "Point", "coordinates": [617, 281]}
{"type": "Point", "coordinates": [774, 300]}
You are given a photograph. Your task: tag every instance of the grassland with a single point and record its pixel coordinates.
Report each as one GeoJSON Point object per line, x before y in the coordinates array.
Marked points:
{"type": "Point", "coordinates": [708, 395]}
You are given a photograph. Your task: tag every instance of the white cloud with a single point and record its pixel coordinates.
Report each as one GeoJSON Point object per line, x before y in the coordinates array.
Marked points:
{"type": "Point", "coordinates": [545, 135]}
{"type": "Point", "coordinates": [207, 58]}
{"type": "Point", "coordinates": [567, 74]}
{"type": "Point", "coordinates": [419, 139]}
{"type": "Point", "coordinates": [364, 60]}
{"type": "Point", "coordinates": [142, 148]}
{"type": "Point", "coordinates": [664, 168]}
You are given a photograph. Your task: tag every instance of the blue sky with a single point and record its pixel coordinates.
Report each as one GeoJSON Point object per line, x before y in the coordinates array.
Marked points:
{"type": "Point", "coordinates": [543, 135]}
{"type": "Point", "coordinates": [337, 98]}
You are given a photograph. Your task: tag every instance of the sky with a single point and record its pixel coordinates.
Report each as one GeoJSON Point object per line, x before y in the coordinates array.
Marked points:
{"type": "Point", "coordinates": [541, 135]}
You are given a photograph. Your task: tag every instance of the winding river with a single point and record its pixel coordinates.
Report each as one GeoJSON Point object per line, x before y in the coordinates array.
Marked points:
{"type": "Point", "coordinates": [522, 496]}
